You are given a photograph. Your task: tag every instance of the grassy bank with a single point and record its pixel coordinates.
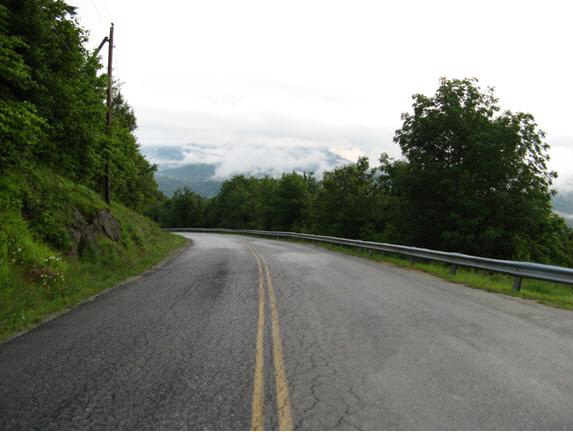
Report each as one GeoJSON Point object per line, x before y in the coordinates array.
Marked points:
{"type": "Point", "coordinates": [39, 274]}
{"type": "Point", "coordinates": [548, 293]}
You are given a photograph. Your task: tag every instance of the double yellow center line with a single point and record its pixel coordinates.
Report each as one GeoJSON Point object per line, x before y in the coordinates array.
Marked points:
{"type": "Point", "coordinates": [281, 383]}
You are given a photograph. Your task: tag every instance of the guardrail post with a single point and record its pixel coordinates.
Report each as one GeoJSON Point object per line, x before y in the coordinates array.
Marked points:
{"type": "Point", "coordinates": [369, 252]}
{"type": "Point", "coordinates": [516, 283]}
{"type": "Point", "coordinates": [453, 269]}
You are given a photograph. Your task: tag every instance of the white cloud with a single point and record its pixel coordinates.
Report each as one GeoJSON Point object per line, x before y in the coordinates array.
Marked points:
{"type": "Point", "coordinates": [562, 160]}
{"type": "Point", "coordinates": [251, 158]}
{"type": "Point", "coordinates": [253, 79]}
{"type": "Point", "coordinates": [253, 128]}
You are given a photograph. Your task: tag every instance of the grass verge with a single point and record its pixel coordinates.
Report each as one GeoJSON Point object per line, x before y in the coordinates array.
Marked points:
{"type": "Point", "coordinates": [548, 293]}
{"type": "Point", "coordinates": [38, 277]}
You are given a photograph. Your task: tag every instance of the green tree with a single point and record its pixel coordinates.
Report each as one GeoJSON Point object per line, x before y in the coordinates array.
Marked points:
{"type": "Point", "coordinates": [52, 110]}
{"type": "Point", "coordinates": [184, 209]}
{"type": "Point", "coordinates": [291, 203]}
{"type": "Point", "coordinates": [236, 204]}
{"type": "Point", "coordinates": [65, 90]}
{"type": "Point", "coordinates": [133, 181]}
{"type": "Point", "coordinates": [264, 194]}
{"type": "Point", "coordinates": [476, 179]}
{"type": "Point", "coordinates": [350, 202]}
{"type": "Point", "coordinates": [21, 128]}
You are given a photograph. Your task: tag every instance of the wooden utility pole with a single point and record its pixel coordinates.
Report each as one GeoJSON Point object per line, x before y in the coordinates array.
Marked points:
{"type": "Point", "coordinates": [109, 107]}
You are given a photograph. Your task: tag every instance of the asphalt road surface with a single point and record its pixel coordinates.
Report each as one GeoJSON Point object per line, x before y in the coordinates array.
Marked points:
{"type": "Point", "coordinates": [241, 333]}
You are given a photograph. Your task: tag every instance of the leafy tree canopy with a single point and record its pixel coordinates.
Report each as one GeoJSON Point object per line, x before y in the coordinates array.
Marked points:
{"type": "Point", "coordinates": [474, 179]}
{"type": "Point", "coordinates": [52, 105]}
{"type": "Point", "coordinates": [477, 178]}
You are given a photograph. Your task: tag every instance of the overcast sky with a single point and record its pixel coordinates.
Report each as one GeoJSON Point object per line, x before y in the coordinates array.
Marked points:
{"type": "Point", "coordinates": [252, 80]}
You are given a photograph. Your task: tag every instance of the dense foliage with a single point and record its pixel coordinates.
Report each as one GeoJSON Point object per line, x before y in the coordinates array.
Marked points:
{"type": "Point", "coordinates": [472, 180]}
{"type": "Point", "coordinates": [476, 181]}
{"type": "Point", "coordinates": [52, 104]}
{"type": "Point", "coordinates": [44, 265]}
{"type": "Point", "coordinates": [59, 241]}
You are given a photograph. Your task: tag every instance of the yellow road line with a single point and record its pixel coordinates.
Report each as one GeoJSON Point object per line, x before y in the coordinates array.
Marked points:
{"type": "Point", "coordinates": [258, 405]}
{"type": "Point", "coordinates": [281, 382]}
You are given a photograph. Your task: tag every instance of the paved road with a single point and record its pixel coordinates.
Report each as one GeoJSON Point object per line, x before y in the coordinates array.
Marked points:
{"type": "Point", "coordinates": [239, 332]}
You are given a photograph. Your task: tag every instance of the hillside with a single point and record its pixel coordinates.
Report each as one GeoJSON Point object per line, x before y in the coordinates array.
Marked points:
{"type": "Point", "coordinates": [60, 243]}
{"type": "Point", "coordinates": [199, 177]}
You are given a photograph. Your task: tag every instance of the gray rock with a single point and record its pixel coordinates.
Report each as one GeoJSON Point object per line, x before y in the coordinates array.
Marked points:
{"type": "Point", "coordinates": [85, 232]}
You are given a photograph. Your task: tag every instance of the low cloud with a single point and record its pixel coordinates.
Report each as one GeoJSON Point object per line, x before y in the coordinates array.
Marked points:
{"type": "Point", "coordinates": [246, 127]}
{"type": "Point", "coordinates": [256, 128]}
{"type": "Point", "coordinates": [254, 159]}
{"type": "Point", "coordinates": [561, 161]}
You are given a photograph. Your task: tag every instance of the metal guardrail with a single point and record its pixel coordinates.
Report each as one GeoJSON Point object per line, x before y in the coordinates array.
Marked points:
{"type": "Point", "coordinates": [518, 269]}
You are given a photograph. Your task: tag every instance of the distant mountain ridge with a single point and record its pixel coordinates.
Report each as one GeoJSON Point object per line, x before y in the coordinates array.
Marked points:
{"type": "Point", "coordinates": [198, 177]}
{"type": "Point", "coordinates": [174, 172]}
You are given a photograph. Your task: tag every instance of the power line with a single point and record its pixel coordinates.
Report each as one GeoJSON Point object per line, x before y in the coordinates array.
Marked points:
{"type": "Point", "coordinates": [98, 14]}
{"type": "Point", "coordinates": [108, 10]}
{"type": "Point", "coordinates": [61, 38]}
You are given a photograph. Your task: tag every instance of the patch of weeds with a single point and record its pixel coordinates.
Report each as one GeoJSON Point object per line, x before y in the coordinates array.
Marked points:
{"type": "Point", "coordinates": [37, 278]}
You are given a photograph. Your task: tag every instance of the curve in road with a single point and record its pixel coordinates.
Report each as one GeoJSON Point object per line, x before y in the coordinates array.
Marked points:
{"type": "Point", "coordinates": [240, 333]}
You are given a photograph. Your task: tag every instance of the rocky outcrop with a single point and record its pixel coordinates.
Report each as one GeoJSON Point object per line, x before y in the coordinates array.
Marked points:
{"type": "Point", "coordinates": [85, 231]}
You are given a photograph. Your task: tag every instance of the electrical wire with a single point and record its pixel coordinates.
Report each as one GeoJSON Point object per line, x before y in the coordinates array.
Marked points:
{"type": "Point", "coordinates": [61, 38]}
{"type": "Point", "coordinates": [98, 14]}
{"type": "Point", "coordinates": [108, 11]}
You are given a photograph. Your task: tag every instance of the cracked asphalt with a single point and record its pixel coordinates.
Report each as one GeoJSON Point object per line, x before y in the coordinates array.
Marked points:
{"type": "Point", "coordinates": [365, 346]}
